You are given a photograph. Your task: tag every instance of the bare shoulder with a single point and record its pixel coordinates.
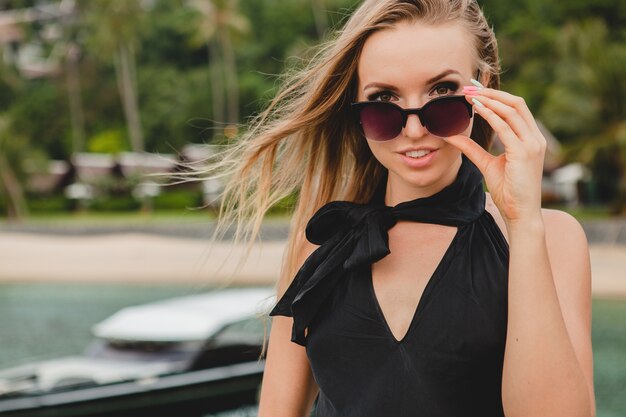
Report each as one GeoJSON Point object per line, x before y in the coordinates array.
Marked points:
{"type": "Point", "coordinates": [567, 248]}
{"type": "Point", "coordinates": [564, 233]}
{"type": "Point", "coordinates": [568, 252]}
{"type": "Point", "coordinates": [302, 250]}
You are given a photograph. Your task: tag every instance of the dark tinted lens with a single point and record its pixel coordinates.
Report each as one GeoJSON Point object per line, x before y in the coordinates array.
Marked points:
{"type": "Point", "coordinates": [446, 117]}
{"type": "Point", "coordinates": [381, 121]}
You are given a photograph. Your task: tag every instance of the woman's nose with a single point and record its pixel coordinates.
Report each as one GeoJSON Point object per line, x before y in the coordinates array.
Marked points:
{"type": "Point", "coordinates": [413, 127]}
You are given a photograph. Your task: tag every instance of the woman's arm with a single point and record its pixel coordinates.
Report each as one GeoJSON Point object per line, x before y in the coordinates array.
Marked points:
{"type": "Point", "coordinates": [571, 270]}
{"type": "Point", "coordinates": [288, 388]}
{"type": "Point", "coordinates": [547, 362]}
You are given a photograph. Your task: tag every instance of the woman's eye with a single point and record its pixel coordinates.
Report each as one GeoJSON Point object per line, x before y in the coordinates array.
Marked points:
{"type": "Point", "coordinates": [445, 89]}
{"type": "Point", "coordinates": [381, 96]}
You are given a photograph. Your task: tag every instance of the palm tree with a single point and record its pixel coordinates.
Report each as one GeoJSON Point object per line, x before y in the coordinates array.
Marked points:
{"type": "Point", "coordinates": [10, 185]}
{"type": "Point", "coordinates": [218, 23]}
{"type": "Point", "coordinates": [72, 75]}
{"type": "Point", "coordinates": [114, 31]}
{"type": "Point", "coordinates": [587, 101]}
{"type": "Point", "coordinates": [11, 150]}
{"type": "Point", "coordinates": [319, 15]}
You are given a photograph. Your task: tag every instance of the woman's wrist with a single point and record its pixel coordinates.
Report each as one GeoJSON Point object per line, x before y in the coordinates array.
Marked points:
{"type": "Point", "coordinates": [527, 225]}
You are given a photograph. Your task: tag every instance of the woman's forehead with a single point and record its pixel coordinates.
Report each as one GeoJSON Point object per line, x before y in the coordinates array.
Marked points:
{"type": "Point", "coordinates": [415, 52]}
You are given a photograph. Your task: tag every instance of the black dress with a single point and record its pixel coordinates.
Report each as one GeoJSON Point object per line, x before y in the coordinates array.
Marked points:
{"type": "Point", "coordinates": [449, 363]}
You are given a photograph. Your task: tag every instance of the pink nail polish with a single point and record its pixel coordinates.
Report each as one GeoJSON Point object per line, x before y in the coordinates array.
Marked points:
{"type": "Point", "coordinates": [470, 88]}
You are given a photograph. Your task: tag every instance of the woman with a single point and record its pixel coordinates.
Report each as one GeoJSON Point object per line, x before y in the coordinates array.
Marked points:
{"type": "Point", "coordinates": [417, 293]}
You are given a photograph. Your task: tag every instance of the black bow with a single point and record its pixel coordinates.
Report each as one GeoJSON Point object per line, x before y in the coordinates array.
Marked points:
{"type": "Point", "coordinates": [351, 234]}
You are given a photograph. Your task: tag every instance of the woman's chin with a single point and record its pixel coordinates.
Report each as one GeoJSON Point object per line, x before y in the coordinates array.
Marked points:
{"type": "Point", "coordinates": [408, 184]}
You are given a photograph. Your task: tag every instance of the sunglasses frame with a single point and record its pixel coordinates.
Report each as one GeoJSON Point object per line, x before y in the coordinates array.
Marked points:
{"type": "Point", "coordinates": [359, 105]}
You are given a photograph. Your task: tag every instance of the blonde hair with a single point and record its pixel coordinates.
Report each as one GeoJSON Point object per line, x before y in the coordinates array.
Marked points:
{"type": "Point", "coordinates": [305, 142]}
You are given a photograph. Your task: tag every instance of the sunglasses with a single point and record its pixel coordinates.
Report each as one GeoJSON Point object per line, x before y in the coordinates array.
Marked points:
{"type": "Point", "coordinates": [442, 116]}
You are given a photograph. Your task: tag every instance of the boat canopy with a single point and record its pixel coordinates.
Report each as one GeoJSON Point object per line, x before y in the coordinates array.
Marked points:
{"type": "Point", "coordinates": [185, 319]}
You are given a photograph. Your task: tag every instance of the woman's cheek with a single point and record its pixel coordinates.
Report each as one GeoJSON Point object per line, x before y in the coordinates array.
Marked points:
{"type": "Point", "coordinates": [381, 152]}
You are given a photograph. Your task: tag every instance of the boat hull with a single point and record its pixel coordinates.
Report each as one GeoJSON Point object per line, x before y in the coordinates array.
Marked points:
{"type": "Point", "coordinates": [186, 394]}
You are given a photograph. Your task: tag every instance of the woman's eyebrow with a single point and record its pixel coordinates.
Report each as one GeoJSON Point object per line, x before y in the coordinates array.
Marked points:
{"type": "Point", "coordinates": [429, 81]}
{"type": "Point", "coordinates": [443, 74]}
{"type": "Point", "coordinates": [379, 85]}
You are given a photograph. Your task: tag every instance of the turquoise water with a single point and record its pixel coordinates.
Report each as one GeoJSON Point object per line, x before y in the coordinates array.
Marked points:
{"type": "Point", "coordinates": [40, 321]}
{"type": "Point", "coordinates": [609, 355]}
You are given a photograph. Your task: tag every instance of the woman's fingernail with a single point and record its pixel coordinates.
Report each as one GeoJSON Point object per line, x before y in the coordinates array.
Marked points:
{"type": "Point", "coordinates": [471, 91]}
{"type": "Point", "coordinates": [476, 83]}
{"type": "Point", "coordinates": [470, 88]}
{"type": "Point", "coordinates": [478, 103]}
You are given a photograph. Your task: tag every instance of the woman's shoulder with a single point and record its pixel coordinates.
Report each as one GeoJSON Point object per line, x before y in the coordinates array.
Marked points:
{"type": "Point", "coordinates": [564, 234]}
{"type": "Point", "coordinates": [561, 221]}
{"type": "Point", "coordinates": [567, 248]}
{"type": "Point", "coordinates": [566, 243]}
{"type": "Point", "coordinates": [301, 251]}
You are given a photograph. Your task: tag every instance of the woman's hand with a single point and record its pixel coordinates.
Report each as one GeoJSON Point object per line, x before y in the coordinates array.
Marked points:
{"type": "Point", "coordinates": [514, 177]}
{"type": "Point", "coordinates": [548, 345]}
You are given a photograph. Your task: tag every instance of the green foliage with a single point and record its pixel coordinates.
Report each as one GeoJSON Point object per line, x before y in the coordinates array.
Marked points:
{"type": "Point", "coordinates": [110, 141]}
{"type": "Point", "coordinates": [168, 111]}
{"type": "Point", "coordinates": [284, 206]}
{"type": "Point", "coordinates": [588, 95]}
{"type": "Point", "coordinates": [39, 115]}
{"type": "Point", "coordinates": [49, 204]}
{"type": "Point", "coordinates": [167, 37]}
{"type": "Point", "coordinates": [115, 203]}
{"type": "Point", "coordinates": [567, 59]}
{"type": "Point", "coordinates": [111, 23]}
{"type": "Point", "coordinates": [178, 200]}
{"type": "Point", "coordinates": [8, 94]}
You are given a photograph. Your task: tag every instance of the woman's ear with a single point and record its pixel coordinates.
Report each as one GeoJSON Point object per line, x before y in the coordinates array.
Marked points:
{"type": "Point", "coordinates": [482, 76]}
{"type": "Point", "coordinates": [485, 79]}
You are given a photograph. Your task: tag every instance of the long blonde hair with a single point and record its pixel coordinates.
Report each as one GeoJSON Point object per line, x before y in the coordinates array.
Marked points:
{"type": "Point", "coordinates": [305, 142]}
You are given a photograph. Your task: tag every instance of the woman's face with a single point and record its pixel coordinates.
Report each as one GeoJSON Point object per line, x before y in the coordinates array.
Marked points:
{"type": "Point", "coordinates": [409, 65]}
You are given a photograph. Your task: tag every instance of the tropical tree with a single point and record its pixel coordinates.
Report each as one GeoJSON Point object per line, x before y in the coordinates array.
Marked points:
{"type": "Point", "coordinates": [10, 185]}
{"type": "Point", "coordinates": [113, 28]}
{"type": "Point", "coordinates": [319, 15]}
{"type": "Point", "coordinates": [72, 78]}
{"type": "Point", "coordinates": [218, 23]}
{"type": "Point", "coordinates": [587, 100]}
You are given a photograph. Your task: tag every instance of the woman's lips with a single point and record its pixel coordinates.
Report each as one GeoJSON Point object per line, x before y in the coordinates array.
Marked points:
{"type": "Point", "coordinates": [420, 162]}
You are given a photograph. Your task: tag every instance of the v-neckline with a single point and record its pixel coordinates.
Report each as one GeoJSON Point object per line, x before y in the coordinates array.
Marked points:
{"type": "Point", "coordinates": [428, 289]}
